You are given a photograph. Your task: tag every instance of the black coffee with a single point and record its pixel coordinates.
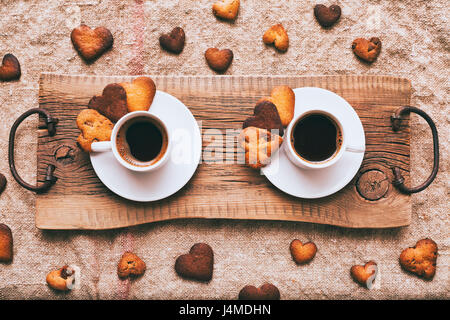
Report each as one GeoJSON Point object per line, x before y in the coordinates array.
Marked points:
{"type": "Point", "coordinates": [141, 141]}
{"type": "Point", "coordinates": [316, 137]}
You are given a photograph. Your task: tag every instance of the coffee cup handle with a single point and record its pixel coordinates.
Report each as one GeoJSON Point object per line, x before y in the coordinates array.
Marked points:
{"type": "Point", "coordinates": [101, 146]}
{"type": "Point", "coordinates": [355, 149]}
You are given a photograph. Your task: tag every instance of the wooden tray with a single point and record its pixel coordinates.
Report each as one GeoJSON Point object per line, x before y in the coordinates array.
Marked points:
{"type": "Point", "coordinates": [80, 201]}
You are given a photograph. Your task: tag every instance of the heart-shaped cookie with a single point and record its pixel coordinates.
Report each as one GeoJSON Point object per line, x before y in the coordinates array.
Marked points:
{"type": "Point", "coordinates": [173, 41]}
{"type": "Point", "coordinates": [10, 69]}
{"type": "Point", "coordinates": [3, 183]}
{"type": "Point", "coordinates": [94, 127]}
{"type": "Point", "coordinates": [367, 50]}
{"type": "Point", "coordinates": [420, 259]}
{"type": "Point", "coordinates": [112, 103]}
{"type": "Point", "coordinates": [259, 145]}
{"type": "Point", "coordinates": [89, 43]}
{"type": "Point", "coordinates": [130, 265]}
{"type": "Point", "coordinates": [6, 243]}
{"type": "Point", "coordinates": [266, 292]}
{"type": "Point", "coordinates": [140, 93]}
{"type": "Point", "coordinates": [265, 116]}
{"type": "Point", "coordinates": [365, 275]}
{"type": "Point", "coordinates": [277, 36]}
{"type": "Point", "coordinates": [61, 279]}
{"type": "Point", "coordinates": [226, 9]}
{"type": "Point", "coordinates": [219, 60]}
{"type": "Point", "coordinates": [327, 16]}
{"type": "Point", "coordinates": [283, 97]}
{"type": "Point", "coordinates": [197, 264]}
{"type": "Point", "coordinates": [302, 253]}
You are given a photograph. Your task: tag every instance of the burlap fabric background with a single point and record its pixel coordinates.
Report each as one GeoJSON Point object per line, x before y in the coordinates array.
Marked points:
{"type": "Point", "coordinates": [415, 45]}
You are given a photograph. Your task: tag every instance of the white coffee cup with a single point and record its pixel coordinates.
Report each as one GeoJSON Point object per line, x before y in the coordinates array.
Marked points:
{"type": "Point", "coordinates": [299, 161]}
{"type": "Point", "coordinates": [158, 162]}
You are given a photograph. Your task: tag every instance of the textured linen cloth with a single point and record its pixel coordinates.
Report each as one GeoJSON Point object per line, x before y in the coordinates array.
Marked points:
{"type": "Point", "coordinates": [415, 42]}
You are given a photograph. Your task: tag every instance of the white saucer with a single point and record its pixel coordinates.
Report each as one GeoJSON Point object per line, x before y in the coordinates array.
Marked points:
{"type": "Point", "coordinates": [310, 184]}
{"type": "Point", "coordinates": [180, 167]}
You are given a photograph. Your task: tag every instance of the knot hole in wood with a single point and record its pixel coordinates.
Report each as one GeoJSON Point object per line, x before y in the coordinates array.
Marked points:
{"type": "Point", "coordinates": [64, 154]}
{"type": "Point", "coordinates": [373, 184]}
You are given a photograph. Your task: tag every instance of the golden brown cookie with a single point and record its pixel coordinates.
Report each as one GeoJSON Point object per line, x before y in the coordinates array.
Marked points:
{"type": "Point", "coordinates": [365, 275]}
{"type": "Point", "coordinates": [219, 60]}
{"type": "Point", "coordinates": [266, 292]}
{"type": "Point", "coordinates": [277, 36]}
{"type": "Point", "coordinates": [173, 41]}
{"type": "Point", "coordinates": [61, 279]}
{"type": "Point", "coordinates": [94, 127]}
{"type": "Point", "coordinates": [140, 93]}
{"type": "Point", "coordinates": [197, 264]}
{"type": "Point", "coordinates": [6, 243]}
{"type": "Point", "coordinates": [130, 265]}
{"type": "Point", "coordinates": [283, 97]}
{"type": "Point", "coordinates": [420, 259]}
{"type": "Point", "coordinates": [91, 44]}
{"type": "Point", "coordinates": [226, 9]}
{"type": "Point", "coordinates": [10, 69]}
{"type": "Point", "coordinates": [112, 103]}
{"type": "Point", "coordinates": [259, 145]}
{"type": "Point", "coordinates": [302, 253]}
{"type": "Point", "coordinates": [367, 50]}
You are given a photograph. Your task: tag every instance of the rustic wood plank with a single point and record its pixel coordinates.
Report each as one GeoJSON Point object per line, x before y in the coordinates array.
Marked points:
{"type": "Point", "coordinates": [80, 201]}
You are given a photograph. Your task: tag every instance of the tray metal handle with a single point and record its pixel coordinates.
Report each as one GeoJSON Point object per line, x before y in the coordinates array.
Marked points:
{"type": "Point", "coordinates": [50, 179]}
{"type": "Point", "coordinates": [399, 180]}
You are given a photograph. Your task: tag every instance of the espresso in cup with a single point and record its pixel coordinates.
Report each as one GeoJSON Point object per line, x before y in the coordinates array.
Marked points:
{"type": "Point", "coordinates": [316, 137]}
{"type": "Point", "coordinates": [141, 141]}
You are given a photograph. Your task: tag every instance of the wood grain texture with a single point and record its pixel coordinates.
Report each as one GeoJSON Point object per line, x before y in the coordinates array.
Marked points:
{"type": "Point", "coordinates": [80, 201]}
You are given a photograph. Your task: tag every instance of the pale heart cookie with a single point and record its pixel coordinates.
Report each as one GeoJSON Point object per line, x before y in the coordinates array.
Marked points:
{"type": "Point", "coordinates": [259, 145]}
{"type": "Point", "coordinates": [226, 9]}
{"type": "Point", "coordinates": [367, 50]}
{"type": "Point", "coordinates": [283, 97]}
{"type": "Point", "coordinates": [140, 93]}
{"type": "Point", "coordinates": [61, 279]}
{"type": "Point", "coordinates": [302, 253]}
{"type": "Point", "coordinates": [94, 127]}
{"type": "Point", "coordinates": [365, 275]}
{"type": "Point", "coordinates": [277, 36]}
